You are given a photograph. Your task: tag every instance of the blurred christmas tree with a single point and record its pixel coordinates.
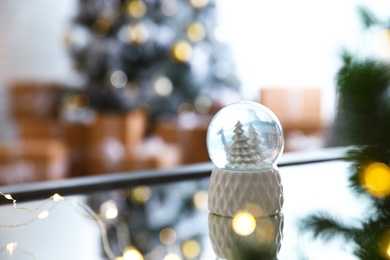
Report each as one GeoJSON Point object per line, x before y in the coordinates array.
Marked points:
{"type": "Point", "coordinates": [363, 121]}
{"type": "Point", "coordinates": [157, 54]}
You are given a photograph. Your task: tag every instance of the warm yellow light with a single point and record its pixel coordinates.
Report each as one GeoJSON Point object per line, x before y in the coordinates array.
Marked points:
{"type": "Point", "coordinates": [168, 236]}
{"type": "Point", "coordinates": [191, 249]}
{"type": "Point", "coordinates": [265, 231]}
{"type": "Point", "coordinates": [137, 8]}
{"type": "Point", "coordinates": [11, 247]}
{"type": "Point", "coordinates": [182, 51]}
{"type": "Point", "coordinates": [200, 199]}
{"type": "Point", "coordinates": [244, 223]}
{"type": "Point", "coordinates": [140, 194]}
{"type": "Point", "coordinates": [172, 257]}
{"type": "Point", "coordinates": [196, 32]}
{"type": "Point", "coordinates": [44, 214]}
{"type": "Point", "coordinates": [8, 197]}
{"type": "Point", "coordinates": [199, 3]}
{"type": "Point", "coordinates": [131, 253]}
{"type": "Point", "coordinates": [80, 102]}
{"type": "Point", "coordinates": [376, 179]}
{"type": "Point", "coordinates": [57, 197]}
{"type": "Point", "coordinates": [109, 210]}
{"type": "Point", "coordinates": [100, 28]}
{"type": "Point", "coordinates": [139, 33]}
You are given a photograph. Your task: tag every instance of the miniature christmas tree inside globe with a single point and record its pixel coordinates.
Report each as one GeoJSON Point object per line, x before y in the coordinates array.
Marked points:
{"type": "Point", "coordinates": [245, 136]}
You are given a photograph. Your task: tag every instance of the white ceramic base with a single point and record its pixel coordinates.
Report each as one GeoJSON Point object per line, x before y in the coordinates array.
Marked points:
{"type": "Point", "coordinates": [259, 192]}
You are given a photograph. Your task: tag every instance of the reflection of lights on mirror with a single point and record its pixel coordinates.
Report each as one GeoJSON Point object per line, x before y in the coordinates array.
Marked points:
{"type": "Point", "coordinates": [168, 236]}
{"type": "Point", "coordinates": [265, 232]}
{"type": "Point", "coordinates": [244, 223]}
{"type": "Point", "coordinates": [109, 210]}
{"type": "Point", "coordinates": [172, 256]}
{"type": "Point", "coordinates": [131, 253]}
{"type": "Point", "coordinates": [191, 249]}
{"type": "Point", "coordinates": [140, 194]}
{"type": "Point", "coordinates": [376, 179]}
{"type": "Point", "coordinates": [200, 200]}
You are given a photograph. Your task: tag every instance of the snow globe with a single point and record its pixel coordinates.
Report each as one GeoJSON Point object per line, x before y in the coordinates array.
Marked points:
{"type": "Point", "coordinates": [245, 141]}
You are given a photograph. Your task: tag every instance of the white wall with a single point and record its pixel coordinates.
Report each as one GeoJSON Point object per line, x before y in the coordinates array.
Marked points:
{"type": "Point", "coordinates": [294, 43]}
{"type": "Point", "coordinates": [31, 45]}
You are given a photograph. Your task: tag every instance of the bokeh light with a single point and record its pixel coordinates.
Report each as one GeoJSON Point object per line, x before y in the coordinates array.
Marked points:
{"type": "Point", "coordinates": [203, 105]}
{"type": "Point", "coordinates": [172, 256]}
{"type": "Point", "coordinates": [140, 194]}
{"type": "Point", "coordinates": [163, 86]}
{"type": "Point", "coordinates": [118, 79]}
{"type": "Point", "coordinates": [109, 210]}
{"type": "Point", "coordinates": [376, 179]}
{"type": "Point", "coordinates": [137, 8]}
{"type": "Point", "coordinates": [265, 231]}
{"type": "Point", "coordinates": [182, 51]}
{"type": "Point", "coordinates": [200, 200]}
{"type": "Point", "coordinates": [169, 7]}
{"type": "Point", "coordinates": [384, 244]}
{"type": "Point", "coordinates": [139, 33]}
{"type": "Point", "coordinates": [199, 3]}
{"type": "Point", "coordinates": [100, 28]}
{"type": "Point", "coordinates": [196, 32]}
{"type": "Point", "coordinates": [132, 253]}
{"type": "Point", "coordinates": [80, 102]}
{"type": "Point", "coordinates": [191, 249]}
{"type": "Point", "coordinates": [186, 111]}
{"type": "Point", "coordinates": [168, 236]}
{"type": "Point", "coordinates": [243, 224]}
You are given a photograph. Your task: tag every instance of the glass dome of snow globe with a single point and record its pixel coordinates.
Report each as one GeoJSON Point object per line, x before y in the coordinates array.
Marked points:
{"type": "Point", "coordinates": [245, 136]}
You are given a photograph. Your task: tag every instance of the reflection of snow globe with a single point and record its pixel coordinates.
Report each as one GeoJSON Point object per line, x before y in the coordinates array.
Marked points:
{"type": "Point", "coordinates": [245, 136]}
{"type": "Point", "coordinates": [245, 141]}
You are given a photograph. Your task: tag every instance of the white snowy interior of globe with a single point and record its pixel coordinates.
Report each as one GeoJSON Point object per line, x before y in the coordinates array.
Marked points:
{"type": "Point", "coordinates": [245, 136]}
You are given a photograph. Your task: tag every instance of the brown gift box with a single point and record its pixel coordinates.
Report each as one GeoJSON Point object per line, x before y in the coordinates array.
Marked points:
{"type": "Point", "coordinates": [296, 108]}
{"type": "Point", "coordinates": [112, 156]}
{"type": "Point", "coordinates": [35, 99]}
{"type": "Point", "coordinates": [129, 128]}
{"type": "Point", "coordinates": [33, 160]}
{"type": "Point", "coordinates": [35, 128]}
{"type": "Point", "coordinates": [189, 136]}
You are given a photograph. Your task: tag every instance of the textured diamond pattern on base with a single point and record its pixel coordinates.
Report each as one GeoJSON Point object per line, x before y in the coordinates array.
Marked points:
{"type": "Point", "coordinates": [233, 191]}
{"type": "Point", "coordinates": [265, 241]}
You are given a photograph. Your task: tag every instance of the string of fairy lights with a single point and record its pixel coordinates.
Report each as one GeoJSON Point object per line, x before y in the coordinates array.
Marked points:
{"type": "Point", "coordinates": [108, 211]}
